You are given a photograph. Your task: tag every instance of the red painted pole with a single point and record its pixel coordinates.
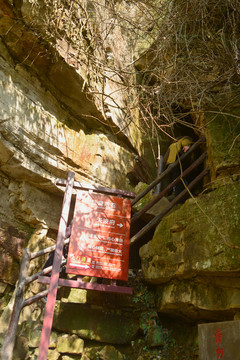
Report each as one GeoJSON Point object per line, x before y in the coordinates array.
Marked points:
{"type": "Point", "coordinates": [52, 293]}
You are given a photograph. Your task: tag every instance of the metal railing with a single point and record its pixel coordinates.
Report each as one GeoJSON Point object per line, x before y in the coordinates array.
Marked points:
{"type": "Point", "coordinates": [156, 220]}
{"type": "Point", "coordinates": [20, 302]}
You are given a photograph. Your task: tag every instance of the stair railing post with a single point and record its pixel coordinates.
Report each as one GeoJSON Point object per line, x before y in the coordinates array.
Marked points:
{"type": "Point", "coordinates": [10, 338]}
{"type": "Point", "coordinates": [52, 292]}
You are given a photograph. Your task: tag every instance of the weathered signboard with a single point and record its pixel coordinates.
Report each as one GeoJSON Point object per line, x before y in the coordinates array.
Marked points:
{"type": "Point", "coordinates": [99, 243]}
{"type": "Point", "coordinates": [219, 341]}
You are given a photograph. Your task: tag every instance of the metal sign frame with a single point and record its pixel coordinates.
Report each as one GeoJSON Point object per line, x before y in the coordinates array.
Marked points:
{"type": "Point", "coordinates": [54, 281]}
{"type": "Point", "coordinates": [99, 242]}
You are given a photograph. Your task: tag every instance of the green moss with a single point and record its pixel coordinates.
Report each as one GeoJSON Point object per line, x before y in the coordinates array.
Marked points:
{"type": "Point", "coordinates": [5, 297]}
{"type": "Point", "coordinates": [198, 237]}
{"type": "Point", "coordinates": [94, 324]}
{"type": "Point", "coordinates": [223, 131]}
{"type": "Point", "coordinates": [145, 200]}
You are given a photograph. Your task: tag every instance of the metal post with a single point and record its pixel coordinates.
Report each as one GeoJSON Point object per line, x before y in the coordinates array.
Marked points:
{"type": "Point", "coordinates": [52, 293]}
{"type": "Point", "coordinates": [159, 171]}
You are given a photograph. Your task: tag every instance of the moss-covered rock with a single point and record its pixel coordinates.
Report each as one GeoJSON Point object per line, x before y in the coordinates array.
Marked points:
{"type": "Point", "coordinates": [195, 255]}
{"type": "Point", "coordinates": [20, 348]}
{"type": "Point", "coordinates": [154, 336]}
{"type": "Point", "coordinates": [53, 354]}
{"type": "Point", "coordinates": [153, 211]}
{"type": "Point", "coordinates": [35, 336]}
{"type": "Point", "coordinates": [101, 299]}
{"type": "Point", "coordinates": [196, 238]}
{"type": "Point", "coordinates": [222, 141]}
{"type": "Point", "coordinates": [214, 299]}
{"type": "Point", "coordinates": [91, 352]}
{"type": "Point", "coordinates": [110, 353]}
{"type": "Point", "coordinates": [94, 323]}
{"type": "Point", "coordinates": [70, 344]}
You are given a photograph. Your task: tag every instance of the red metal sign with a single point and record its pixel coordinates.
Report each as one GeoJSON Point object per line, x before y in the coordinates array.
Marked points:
{"type": "Point", "coordinates": [99, 243]}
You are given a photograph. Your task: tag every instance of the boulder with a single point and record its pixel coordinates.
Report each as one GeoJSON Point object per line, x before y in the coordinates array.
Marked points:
{"type": "Point", "coordinates": [69, 357]}
{"type": "Point", "coordinates": [35, 336]}
{"type": "Point", "coordinates": [20, 348]}
{"type": "Point", "coordinates": [110, 353]}
{"type": "Point", "coordinates": [200, 238]}
{"type": "Point", "coordinates": [153, 211]}
{"type": "Point", "coordinates": [97, 298]}
{"type": "Point", "coordinates": [224, 151]}
{"type": "Point", "coordinates": [70, 344]}
{"type": "Point", "coordinates": [215, 299]}
{"type": "Point", "coordinates": [91, 352]}
{"type": "Point", "coordinates": [95, 324]}
{"type": "Point", "coordinates": [194, 256]}
{"type": "Point", "coordinates": [154, 336]}
{"type": "Point", "coordinates": [53, 354]}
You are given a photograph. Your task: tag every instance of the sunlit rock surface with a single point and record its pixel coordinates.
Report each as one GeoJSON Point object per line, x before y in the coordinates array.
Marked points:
{"type": "Point", "coordinates": [50, 123]}
{"type": "Point", "coordinates": [195, 255]}
{"type": "Point", "coordinates": [37, 145]}
{"type": "Point", "coordinates": [222, 134]}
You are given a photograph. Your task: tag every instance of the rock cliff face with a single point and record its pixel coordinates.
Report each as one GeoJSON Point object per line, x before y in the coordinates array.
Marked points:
{"type": "Point", "coordinates": [54, 119]}
{"type": "Point", "coordinates": [74, 77]}
{"type": "Point", "coordinates": [50, 124]}
{"type": "Point", "coordinates": [194, 257]}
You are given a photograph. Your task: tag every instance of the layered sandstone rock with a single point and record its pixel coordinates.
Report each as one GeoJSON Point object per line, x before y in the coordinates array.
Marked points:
{"type": "Point", "coordinates": [194, 256]}
{"type": "Point", "coordinates": [51, 123]}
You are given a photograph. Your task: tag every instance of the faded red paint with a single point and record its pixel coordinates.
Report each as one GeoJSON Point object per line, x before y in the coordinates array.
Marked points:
{"type": "Point", "coordinates": [219, 353]}
{"type": "Point", "coordinates": [218, 336]}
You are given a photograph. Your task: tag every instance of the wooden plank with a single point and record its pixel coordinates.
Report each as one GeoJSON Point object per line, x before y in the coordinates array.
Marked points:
{"type": "Point", "coordinates": [98, 189]}
{"type": "Point", "coordinates": [51, 299]}
{"type": "Point", "coordinates": [88, 286]}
